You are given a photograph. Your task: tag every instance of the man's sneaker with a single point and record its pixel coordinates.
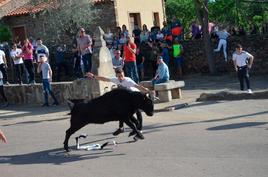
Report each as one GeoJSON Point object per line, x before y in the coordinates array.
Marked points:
{"type": "Point", "coordinates": [118, 131]}
{"type": "Point", "coordinates": [250, 91]}
{"type": "Point", "coordinates": [45, 105]}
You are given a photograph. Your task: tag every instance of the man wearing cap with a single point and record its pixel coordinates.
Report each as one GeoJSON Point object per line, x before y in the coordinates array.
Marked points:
{"type": "Point", "coordinates": [84, 47]}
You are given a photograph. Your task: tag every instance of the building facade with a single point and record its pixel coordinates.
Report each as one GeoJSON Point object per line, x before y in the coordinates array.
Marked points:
{"type": "Point", "coordinates": [112, 13]}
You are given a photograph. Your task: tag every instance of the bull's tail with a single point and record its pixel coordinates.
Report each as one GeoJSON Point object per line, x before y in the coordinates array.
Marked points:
{"type": "Point", "coordinates": [70, 104]}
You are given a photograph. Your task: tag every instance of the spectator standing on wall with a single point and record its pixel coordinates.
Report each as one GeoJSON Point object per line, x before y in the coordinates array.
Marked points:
{"type": "Point", "coordinates": [223, 36]}
{"type": "Point", "coordinates": [84, 46]}
{"type": "Point", "coordinates": [125, 30]}
{"type": "Point", "coordinates": [165, 53]}
{"type": "Point", "coordinates": [16, 55]}
{"type": "Point", "coordinates": [27, 51]}
{"type": "Point", "coordinates": [177, 57]}
{"type": "Point", "coordinates": [76, 62]}
{"type": "Point", "coordinates": [130, 60]}
{"type": "Point", "coordinates": [47, 78]}
{"type": "Point", "coordinates": [140, 63]}
{"type": "Point", "coordinates": [109, 37]}
{"type": "Point", "coordinates": [176, 29]}
{"type": "Point", "coordinates": [41, 49]}
{"type": "Point", "coordinates": [152, 59]}
{"type": "Point", "coordinates": [136, 34]}
{"type": "Point", "coordinates": [144, 36]}
{"type": "Point", "coordinates": [154, 31]}
{"type": "Point", "coordinates": [196, 30]}
{"type": "Point", "coordinates": [60, 62]}
{"type": "Point", "coordinates": [2, 92]}
{"type": "Point", "coordinates": [243, 63]}
{"type": "Point", "coordinates": [3, 66]}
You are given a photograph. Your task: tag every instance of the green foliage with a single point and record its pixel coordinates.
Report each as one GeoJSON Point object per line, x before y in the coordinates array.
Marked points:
{"type": "Point", "coordinates": [225, 12]}
{"type": "Point", "coordinates": [62, 20]}
{"type": "Point", "coordinates": [183, 9]}
{"type": "Point", "coordinates": [5, 34]}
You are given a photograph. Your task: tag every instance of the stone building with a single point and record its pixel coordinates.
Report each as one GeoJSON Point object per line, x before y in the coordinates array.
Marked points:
{"type": "Point", "coordinates": [18, 15]}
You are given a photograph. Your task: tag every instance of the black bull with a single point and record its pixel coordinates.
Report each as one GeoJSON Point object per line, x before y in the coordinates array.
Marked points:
{"type": "Point", "coordinates": [116, 105]}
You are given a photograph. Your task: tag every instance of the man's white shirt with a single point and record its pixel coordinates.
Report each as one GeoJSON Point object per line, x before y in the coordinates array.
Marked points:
{"type": "Point", "coordinates": [14, 54]}
{"type": "Point", "coordinates": [241, 59]}
{"type": "Point", "coordinates": [127, 83]}
{"type": "Point", "coordinates": [2, 55]}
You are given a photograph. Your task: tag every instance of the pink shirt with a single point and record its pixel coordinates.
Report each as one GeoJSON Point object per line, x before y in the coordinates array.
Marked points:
{"type": "Point", "coordinates": [27, 55]}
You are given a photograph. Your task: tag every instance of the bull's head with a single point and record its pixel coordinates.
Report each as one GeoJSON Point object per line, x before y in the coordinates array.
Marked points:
{"type": "Point", "coordinates": [147, 106]}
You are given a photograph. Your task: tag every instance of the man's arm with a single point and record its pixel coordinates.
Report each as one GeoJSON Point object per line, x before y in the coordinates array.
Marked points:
{"type": "Point", "coordinates": [100, 78]}
{"type": "Point", "coordinates": [141, 88]}
{"type": "Point", "coordinates": [251, 58]}
{"type": "Point", "coordinates": [5, 60]}
{"type": "Point", "coordinates": [131, 49]}
{"type": "Point", "coordinates": [235, 64]}
{"type": "Point", "coordinates": [50, 73]}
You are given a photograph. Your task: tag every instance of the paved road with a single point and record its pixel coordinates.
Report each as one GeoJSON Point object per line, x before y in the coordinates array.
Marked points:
{"type": "Point", "coordinates": [211, 139]}
{"type": "Point", "coordinates": [208, 139]}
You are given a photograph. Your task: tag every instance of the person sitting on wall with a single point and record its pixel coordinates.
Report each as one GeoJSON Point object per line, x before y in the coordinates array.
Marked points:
{"type": "Point", "coordinates": [162, 73]}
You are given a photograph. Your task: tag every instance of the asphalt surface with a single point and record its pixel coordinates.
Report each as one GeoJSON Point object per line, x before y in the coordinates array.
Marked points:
{"type": "Point", "coordinates": [203, 139]}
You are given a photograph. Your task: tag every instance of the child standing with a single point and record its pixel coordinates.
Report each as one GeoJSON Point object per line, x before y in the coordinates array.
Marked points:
{"type": "Point", "coordinates": [45, 68]}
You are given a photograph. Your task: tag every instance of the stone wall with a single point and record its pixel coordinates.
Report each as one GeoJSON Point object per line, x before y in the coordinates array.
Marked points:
{"type": "Point", "coordinates": [195, 61]}
{"type": "Point", "coordinates": [27, 94]}
{"type": "Point", "coordinates": [78, 89]}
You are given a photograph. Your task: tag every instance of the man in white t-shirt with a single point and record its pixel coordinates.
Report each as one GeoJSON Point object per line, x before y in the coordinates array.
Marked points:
{"type": "Point", "coordinates": [16, 55]}
{"type": "Point", "coordinates": [3, 66]}
{"type": "Point", "coordinates": [41, 49]}
{"type": "Point", "coordinates": [124, 82]}
{"type": "Point", "coordinates": [242, 62]}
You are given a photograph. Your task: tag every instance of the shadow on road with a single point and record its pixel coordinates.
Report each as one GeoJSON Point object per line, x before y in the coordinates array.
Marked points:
{"type": "Point", "coordinates": [185, 105]}
{"type": "Point", "coordinates": [37, 121]}
{"type": "Point", "coordinates": [237, 125]}
{"type": "Point", "coordinates": [55, 156]}
{"type": "Point", "coordinates": [30, 110]}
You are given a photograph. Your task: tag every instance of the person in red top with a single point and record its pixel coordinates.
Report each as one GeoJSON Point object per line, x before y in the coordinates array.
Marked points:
{"type": "Point", "coordinates": [130, 59]}
{"type": "Point", "coordinates": [27, 53]}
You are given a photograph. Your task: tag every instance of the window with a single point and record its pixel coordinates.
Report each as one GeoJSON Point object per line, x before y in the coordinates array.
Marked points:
{"type": "Point", "coordinates": [134, 19]}
{"type": "Point", "coordinates": [19, 33]}
{"type": "Point", "coordinates": [156, 18]}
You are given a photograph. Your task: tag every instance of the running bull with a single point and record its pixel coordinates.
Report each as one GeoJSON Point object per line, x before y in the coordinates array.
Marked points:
{"type": "Point", "coordinates": [116, 105]}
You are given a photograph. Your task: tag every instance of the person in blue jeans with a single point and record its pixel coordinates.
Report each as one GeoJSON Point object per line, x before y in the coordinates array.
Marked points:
{"type": "Point", "coordinates": [45, 68]}
{"type": "Point", "coordinates": [162, 73]}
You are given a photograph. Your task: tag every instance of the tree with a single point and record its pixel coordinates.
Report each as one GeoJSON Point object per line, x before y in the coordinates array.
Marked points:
{"type": "Point", "coordinates": [5, 34]}
{"type": "Point", "coordinates": [201, 7]}
{"type": "Point", "coordinates": [63, 18]}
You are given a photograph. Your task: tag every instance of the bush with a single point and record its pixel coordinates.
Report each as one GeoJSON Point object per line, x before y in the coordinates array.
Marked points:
{"type": "Point", "coordinates": [5, 34]}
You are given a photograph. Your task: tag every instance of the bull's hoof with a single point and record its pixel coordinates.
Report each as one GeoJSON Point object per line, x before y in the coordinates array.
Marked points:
{"type": "Point", "coordinates": [66, 148]}
{"type": "Point", "coordinates": [138, 136]}
{"type": "Point", "coordinates": [131, 133]}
